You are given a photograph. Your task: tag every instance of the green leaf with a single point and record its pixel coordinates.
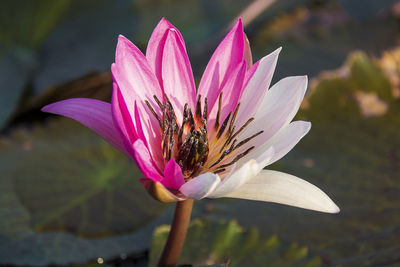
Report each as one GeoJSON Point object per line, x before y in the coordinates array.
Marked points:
{"type": "Point", "coordinates": [63, 189]}
{"type": "Point", "coordinates": [216, 243]}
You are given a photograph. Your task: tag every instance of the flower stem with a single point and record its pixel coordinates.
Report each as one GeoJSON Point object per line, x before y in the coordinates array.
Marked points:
{"type": "Point", "coordinates": [177, 234]}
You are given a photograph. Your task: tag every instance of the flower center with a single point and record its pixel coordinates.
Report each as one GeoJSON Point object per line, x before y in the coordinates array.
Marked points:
{"type": "Point", "coordinates": [188, 144]}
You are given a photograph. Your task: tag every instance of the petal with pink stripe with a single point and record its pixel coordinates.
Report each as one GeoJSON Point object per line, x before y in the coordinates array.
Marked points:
{"type": "Point", "coordinates": [228, 55]}
{"type": "Point", "coordinates": [177, 75]}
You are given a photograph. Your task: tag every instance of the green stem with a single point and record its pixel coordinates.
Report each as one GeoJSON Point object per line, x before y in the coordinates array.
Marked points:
{"type": "Point", "coordinates": [177, 234]}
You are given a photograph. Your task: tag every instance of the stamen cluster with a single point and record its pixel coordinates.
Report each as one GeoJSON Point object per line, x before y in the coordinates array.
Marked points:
{"type": "Point", "coordinates": [188, 143]}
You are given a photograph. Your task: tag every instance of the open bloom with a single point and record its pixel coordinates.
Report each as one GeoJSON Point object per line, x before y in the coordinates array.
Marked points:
{"type": "Point", "coordinates": [210, 142]}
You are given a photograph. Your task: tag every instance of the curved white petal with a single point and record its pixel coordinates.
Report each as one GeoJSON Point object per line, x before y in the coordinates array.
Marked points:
{"type": "Point", "coordinates": [244, 173]}
{"type": "Point", "coordinates": [277, 109]}
{"type": "Point", "coordinates": [200, 186]}
{"type": "Point", "coordinates": [283, 141]}
{"type": "Point", "coordinates": [290, 89]}
{"type": "Point", "coordinates": [257, 87]}
{"type": "Point", "coordinates": [238, 178]}
{"type": "Point", "coordinates": [278, 187]}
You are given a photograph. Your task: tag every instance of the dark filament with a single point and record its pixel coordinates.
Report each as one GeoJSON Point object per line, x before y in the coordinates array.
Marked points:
{"type": "Point", "coordinates": [231, 139]}
{"type": "Point", "coordinates": [192, 152]}
{"type": "Point", "coordinates": [188, 144]}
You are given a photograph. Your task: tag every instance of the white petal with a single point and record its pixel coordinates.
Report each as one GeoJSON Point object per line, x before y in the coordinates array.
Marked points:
{"type": "Point", "coordinates": [244, 173]}
{"type": "Point", "coordinates": [277, 109]}
{"type": "Point", "coordinates": [257, 87]}
{"type": "Point", "coordinates": [238, 178]}
{"type": "Point", "coordinates": [290, 89]}
{"type": "Point", "coordinates": [278, 187]}
{"type": "Point", "coordinates": [283, 141]}
{"type": "Point", "coordinates": [200, 186]}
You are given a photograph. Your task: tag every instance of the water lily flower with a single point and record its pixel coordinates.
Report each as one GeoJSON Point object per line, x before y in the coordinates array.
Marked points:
{"type": "Point", "coordinates": [211, 142]}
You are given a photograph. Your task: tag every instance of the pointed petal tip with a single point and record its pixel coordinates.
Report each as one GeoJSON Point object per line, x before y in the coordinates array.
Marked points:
{"type": "Point", "coordinates": [53, 107]}
{"type": "Point", "coordinates": [238, 24]}
{"type": "Point", "coordinates": [123, 42]}
{"type": "Point", "coordinates": [274, 55]}
{"type": "Point", "coordinates": [330, 207]}
{"type": "Point", "coordinates": [121, 37]}
{"type": "Point", "coordinates": [336, 210]}
{"type": "Point", "coordinates": [173, 30]}
{"type": "Point", "coordinates": [307, 126]}
{"type": "Point", "coordinates": [300, 80]}
{"type": "Point", "coordinates": [164, 20]}
{"type": "Point", "coordinates": [45, 108]}
{"type": "Point", "coordinates": [283, 188]}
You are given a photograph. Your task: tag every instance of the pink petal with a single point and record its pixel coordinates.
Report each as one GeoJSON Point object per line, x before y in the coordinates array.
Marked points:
{"type": "Point", "coordinates": [177, 74]}
{"type": "Point", "coordinates": [225, 59]}
{"type": "Point", "coordinates": [145, 162]}
{"type": "Point", "coordinates": [133, 74]}
{"type": "Point", "coordinates": [173, 177]}
{"type": "Point", "coordinates": [232, 91]}
{"type": "Point", "coordinates": [261, 76]}
{"type": "Point", "coordinates": [155, 47]}
{"type": "Point", "coordinates": [121, 116]}
{"type": "Point", "coordinates": [92, 113]}
{"type": "Point", "coordinates": [200, 186]}
{"type": "Point", "coordinates": [137, 84]}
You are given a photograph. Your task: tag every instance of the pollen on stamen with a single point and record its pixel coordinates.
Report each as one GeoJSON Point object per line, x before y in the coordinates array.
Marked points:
{"type": "Point", "coordinates": [188, 142]}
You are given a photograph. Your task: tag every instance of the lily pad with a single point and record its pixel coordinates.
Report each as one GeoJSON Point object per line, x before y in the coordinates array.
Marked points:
{"type": "Point", "coordinates": [65, 189]}
{"type": "Point", "coordinates": [222, 243]}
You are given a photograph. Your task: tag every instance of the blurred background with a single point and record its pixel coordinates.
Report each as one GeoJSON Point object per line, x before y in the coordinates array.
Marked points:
{"type": "Point", "coordinates": [67, 198]}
